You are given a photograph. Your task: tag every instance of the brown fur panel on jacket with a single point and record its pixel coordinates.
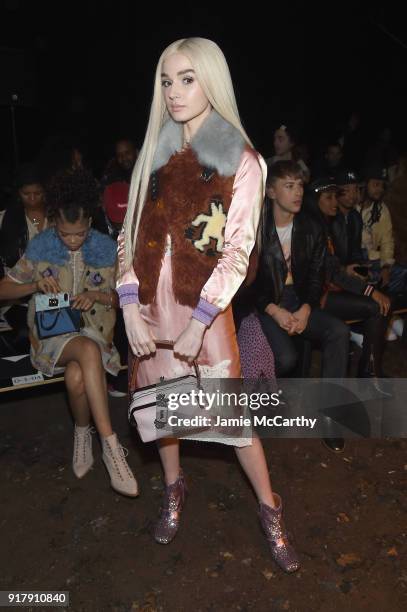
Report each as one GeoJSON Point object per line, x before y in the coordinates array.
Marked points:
{"type": "Point", "coordinates": [192, 209]}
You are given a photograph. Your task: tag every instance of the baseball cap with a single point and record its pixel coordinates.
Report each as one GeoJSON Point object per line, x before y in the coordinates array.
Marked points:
{"type": "Point", "coordinates": [115, 200]}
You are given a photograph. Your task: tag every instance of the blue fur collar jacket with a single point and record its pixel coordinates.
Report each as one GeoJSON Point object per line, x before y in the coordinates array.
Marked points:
{"type": "Point", "coordinates": [98, 250]}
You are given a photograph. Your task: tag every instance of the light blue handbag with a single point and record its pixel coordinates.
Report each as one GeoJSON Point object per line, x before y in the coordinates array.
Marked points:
{"type": "Point", "coordinates": [56, 321]}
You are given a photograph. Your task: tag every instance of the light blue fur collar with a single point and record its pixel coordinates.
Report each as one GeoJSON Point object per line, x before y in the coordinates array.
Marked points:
{"type": "Point", "coordinates": [98, 250]}
{"type": "Point", "coordinates": [217, 144]}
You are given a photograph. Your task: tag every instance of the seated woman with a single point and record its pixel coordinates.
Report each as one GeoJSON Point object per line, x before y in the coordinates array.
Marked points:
{"type": "Point", "coordinates": [71, 257]}
{"type": "Point", "coordinates": [24, 217]}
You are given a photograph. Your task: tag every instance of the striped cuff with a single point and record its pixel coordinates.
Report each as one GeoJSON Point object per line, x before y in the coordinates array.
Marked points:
{"type": "Point", "coordinates": [369, 290]}
{"type": "Point", "coordinates": [205, 312]}
{"type": "Point", "coordinates": [128, 294]}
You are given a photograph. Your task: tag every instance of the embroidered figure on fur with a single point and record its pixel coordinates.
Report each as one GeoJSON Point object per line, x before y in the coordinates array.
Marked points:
{"type": "Point", "coordinates": [214, 226]}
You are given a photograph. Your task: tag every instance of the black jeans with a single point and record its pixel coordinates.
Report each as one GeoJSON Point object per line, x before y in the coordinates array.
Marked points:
{"type": "Point", "coordinates": [328, 331]}
{"type": "Point", "coordinates": [345, 306]}
{"type": "Point", "coordinates": [121, 343]}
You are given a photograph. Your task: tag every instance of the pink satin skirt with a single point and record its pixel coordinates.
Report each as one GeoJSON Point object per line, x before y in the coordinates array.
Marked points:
{"type": "Point", "coordinates": [219, 356]}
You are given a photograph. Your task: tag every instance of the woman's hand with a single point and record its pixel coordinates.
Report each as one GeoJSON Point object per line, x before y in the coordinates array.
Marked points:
{"type": "Point", "coordinates": [48, 285]}
{"type": "Point", "coordinates": [139, 334]}
{"type": "Point", "coordinates": [84, 301]}
{"type": "Point", "coordinates": [188, 344]}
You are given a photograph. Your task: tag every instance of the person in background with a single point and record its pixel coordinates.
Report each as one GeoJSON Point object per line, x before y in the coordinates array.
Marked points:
{"type": "Point", "coordinates": [115, 184]}
{"type": "Point", "coordinates": [72, 257]}
{"type": "Point", "coordinates": [290, 277]}
{"type": "Point", "coordinates": [377, 232]}
{"type": "Point", "coordinates": [331, 162]}
{"type": "Point", "coordinates": [347, 225]}
{"type": "Point", "coordinates": [24, 217]}
{"type": "Point", "coordinates": [285, 142]}
{"type": "Point", "coordinates": [63, 155]}
{"type": "Point", "coordinates": [346, 228]}
{"type": "Point", "coordinates": [126, 154]}
{"type": "Point", "coordinates": [383, 154]}
{"type": "Point", "coordinates": [351, 141]}
{"type": "Point", "coordinates": [348, 295]}
{"type": "Point", "coordinates": [379, 245]}
{"type": "Point", "coordinates": [61, 152]}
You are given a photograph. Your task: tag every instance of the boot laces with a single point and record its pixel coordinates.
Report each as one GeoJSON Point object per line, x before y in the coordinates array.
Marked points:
{"type": "Point", "coordinates": [82, 440]}
{"type": "Point", "coordinates": [122, 453]}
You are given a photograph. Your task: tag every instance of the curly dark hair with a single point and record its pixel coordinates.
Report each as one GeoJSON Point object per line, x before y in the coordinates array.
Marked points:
{"type": "Point", "coordinates": [73, 195]}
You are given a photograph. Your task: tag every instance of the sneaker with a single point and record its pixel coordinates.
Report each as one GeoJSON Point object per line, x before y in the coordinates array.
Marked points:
{"type": "Point", "coordinates": [82, 459]}
{"type": "Point", "coordinates": [114, 457]}
{"type": "Point", "coordinates": [356, 338]}
{"type": "Point", "coordinates": [115, 392]}
{"type": "Point", "coordinates": [398, 327]}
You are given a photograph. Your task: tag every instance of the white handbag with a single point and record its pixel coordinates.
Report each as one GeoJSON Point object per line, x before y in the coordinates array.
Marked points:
{"type": "Point", "coordinates": [148, 408]}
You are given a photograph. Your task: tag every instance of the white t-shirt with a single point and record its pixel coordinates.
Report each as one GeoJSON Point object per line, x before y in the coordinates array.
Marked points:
{"type": "Point", "coordinates": [284, 236]}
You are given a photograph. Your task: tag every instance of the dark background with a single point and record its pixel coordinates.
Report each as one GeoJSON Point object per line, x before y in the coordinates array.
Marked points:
{"type": "Point", "coordinates": [87, 67]}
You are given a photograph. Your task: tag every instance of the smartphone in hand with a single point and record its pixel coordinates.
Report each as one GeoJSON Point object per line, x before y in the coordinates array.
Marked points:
{"type": "Point", "coordinates": [362, 270]}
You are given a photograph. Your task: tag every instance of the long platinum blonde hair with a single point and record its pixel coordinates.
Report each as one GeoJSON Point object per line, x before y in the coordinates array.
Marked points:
{"type": "Point", "coordinates": [214, 77]}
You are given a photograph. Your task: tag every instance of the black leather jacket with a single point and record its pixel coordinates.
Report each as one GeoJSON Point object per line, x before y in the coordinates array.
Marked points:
{"type": "Point", "coordinates": [346, 232]}
{"type": "Point", "coordinates": [308, 248]}
{"type": "Point", "coordinates": [13, 235]}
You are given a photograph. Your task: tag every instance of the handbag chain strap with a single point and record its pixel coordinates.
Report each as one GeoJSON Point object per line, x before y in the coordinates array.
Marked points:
{"type": "Point", "coordinates": [164, 344]}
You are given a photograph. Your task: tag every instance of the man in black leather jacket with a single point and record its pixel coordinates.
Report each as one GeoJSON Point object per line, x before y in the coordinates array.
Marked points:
{"type": "Point", "coordinates": [347, 225]}
{"type": "Point", "coordinates": [290, 277]}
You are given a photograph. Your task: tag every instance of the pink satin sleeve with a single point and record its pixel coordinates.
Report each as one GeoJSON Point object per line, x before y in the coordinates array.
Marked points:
{"type": "Point", "coordinates": [127, 282]}
{"type": "Point", "coordinates": [240, 236]}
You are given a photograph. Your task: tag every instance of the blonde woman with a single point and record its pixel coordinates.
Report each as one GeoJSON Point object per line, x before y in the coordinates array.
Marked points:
{"type": "Point", "coordinates": [195, 202]}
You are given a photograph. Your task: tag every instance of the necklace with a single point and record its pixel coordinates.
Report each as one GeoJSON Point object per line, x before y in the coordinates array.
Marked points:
{"type": "Point", "coordinates": [36, 221]}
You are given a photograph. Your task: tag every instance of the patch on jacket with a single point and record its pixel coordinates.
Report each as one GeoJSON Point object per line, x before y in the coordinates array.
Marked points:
{"type": "Point", "coordinates": [206, 231]}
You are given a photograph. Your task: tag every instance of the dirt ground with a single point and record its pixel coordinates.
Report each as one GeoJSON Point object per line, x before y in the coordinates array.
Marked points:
{"type": "Point", "coordinates": [347, 514]}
